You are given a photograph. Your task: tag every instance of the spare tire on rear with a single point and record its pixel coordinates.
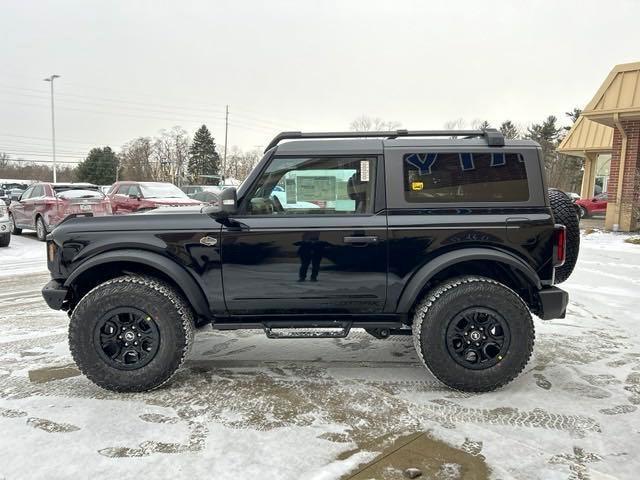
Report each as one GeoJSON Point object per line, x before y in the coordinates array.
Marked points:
{"type": "Point", "coordinates": [564, 213]}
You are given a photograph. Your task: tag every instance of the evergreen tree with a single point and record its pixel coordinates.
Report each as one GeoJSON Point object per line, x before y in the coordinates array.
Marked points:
{"type": "Point", "coordinates": [483, 125]}
{"type": "Point", "coordinates": [99, 167]}
{"type": "Point", "coordinates": [203, 158]}
{"type": "Point", "coordinates": [574, 114]}
{"type": "Point", "coordinates": [509, 130]}
{"type": "Point", "coordinates": [563, 171]}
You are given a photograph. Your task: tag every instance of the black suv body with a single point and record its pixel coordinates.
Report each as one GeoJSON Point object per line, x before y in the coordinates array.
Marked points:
{"type": "Point", "coordinates": [326, 231]}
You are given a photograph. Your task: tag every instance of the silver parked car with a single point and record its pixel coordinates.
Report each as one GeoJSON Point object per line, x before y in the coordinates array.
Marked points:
{"type": "Point", "coordinates": [5, 226]}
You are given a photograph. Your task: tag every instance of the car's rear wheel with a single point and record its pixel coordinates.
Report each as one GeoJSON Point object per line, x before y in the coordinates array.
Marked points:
{"type": "Point", "coordinates": [14, 230]}
{"type": "Point", "coordinates": [130, 334]}
{"type": "Point", "coordinates": [473, 333]}
{"type": "Point", "coordinates": [5, 239]}
{"type": "Point", "coordinates": [41, 229]}
{"type": "Point", "coordinates": [565, 214]}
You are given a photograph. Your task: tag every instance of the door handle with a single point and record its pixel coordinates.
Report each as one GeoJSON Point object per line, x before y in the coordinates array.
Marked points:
{"type": "Point", "coordinates": [362, 240]}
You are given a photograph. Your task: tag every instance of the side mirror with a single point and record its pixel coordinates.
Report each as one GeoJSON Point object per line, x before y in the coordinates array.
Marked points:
{"type": "Point", "coordinates": [19, 198]}
{"type": "Point", "coordinates": [227, 205]}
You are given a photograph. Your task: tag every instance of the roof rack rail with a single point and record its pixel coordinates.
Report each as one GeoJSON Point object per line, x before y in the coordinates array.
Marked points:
{"type": "Point", "coordinates": [493, 137]}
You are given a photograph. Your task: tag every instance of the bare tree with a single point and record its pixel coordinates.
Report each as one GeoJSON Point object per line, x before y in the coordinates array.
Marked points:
{"type": "Point", "coordinates": [240, 163]}
{"type": "Point", "coordinates": [365, 123]}
{"type": "Point", "coordinates": [457, 124]}
{"type": "Point", "coordinates": [4, 159]}
{"type": "Point", "coordinates": [135, 160]}
{"type": "Point", "coordinates": [170, 155]}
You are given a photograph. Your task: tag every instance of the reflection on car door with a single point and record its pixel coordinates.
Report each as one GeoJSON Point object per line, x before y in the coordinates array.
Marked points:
{"type": "Point", "coordinates": [314, 260]}
{"type": "Point", "coordinates": [119, 199]}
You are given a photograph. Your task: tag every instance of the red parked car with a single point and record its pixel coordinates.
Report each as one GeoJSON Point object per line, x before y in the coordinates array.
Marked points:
{"type": "Point", "coordinates": [592, 206]}
{"type": "Point", "coordinates": [129, 197]}
{"type": "Point", "coordinates": [42, 206]}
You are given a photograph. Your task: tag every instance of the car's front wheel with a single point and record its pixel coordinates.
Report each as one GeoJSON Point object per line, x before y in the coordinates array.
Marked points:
{"type": "Point", "coordinates": [131, 334]}
{"type": "Point", "coordinates": [5, 239]}
{"type": "Point", "coordinates": [582, 212]}
{"type": "Point", "coordinates": [473, 333]}
{"type": "Point", "coordinates": [14, 230]}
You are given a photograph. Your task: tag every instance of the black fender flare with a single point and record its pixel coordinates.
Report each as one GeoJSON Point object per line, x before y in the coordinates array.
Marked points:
{"type": "Point", "coordinates": [177, 273]}
{"type": "Point", "coordinates": [428, 270]}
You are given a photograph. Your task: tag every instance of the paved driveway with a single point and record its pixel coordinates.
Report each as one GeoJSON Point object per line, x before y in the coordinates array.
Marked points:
{"type": "Point", "coordinates": [247, 407]}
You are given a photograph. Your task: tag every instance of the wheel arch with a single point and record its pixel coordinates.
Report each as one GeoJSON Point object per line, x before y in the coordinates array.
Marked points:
{"type": "Point", "coordinates": [108, 265]}
{"type": "Point", "coordinates": [495, 264]}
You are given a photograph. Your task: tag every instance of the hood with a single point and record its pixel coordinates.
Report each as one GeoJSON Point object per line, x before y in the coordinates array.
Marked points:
{"type": "Point", "coordinates": [134, 222]}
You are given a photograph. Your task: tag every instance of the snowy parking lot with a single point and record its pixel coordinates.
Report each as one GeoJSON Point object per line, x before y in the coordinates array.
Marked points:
{"type": "Point", "coordinates": [247, 407]}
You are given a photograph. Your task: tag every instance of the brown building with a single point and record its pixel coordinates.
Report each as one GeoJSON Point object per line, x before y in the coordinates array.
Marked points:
{"type": "Point", "coordinates": [608, 133]}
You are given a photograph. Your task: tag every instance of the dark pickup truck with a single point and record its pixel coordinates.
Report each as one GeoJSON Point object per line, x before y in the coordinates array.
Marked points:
{"type": "Point", "coordinates": [449, 236]}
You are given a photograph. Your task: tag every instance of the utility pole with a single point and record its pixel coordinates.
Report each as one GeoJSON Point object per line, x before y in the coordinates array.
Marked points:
{"type": "Point", "coordinates": [226, 131]}
{"type": "Point", "coordinates": [53, 127]}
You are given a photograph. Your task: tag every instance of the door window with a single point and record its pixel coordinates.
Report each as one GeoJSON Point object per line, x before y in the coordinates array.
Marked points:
{"type": "Point", "coordinates": [37, 192]}
{"type": "Point", "coordinates": [135, 190]}
{"type": "Point", "coordinates": [27, 194]}
{"type": "Point", "coordinates": [314, 186]}
{"type": "Point", "coordinates": [123, 190]}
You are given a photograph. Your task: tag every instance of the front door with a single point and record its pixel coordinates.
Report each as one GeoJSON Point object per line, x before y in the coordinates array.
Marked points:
{"type": "Point", "coordinates": [21, 209]}
{"type": "Point", "coordinates": [307, 240]}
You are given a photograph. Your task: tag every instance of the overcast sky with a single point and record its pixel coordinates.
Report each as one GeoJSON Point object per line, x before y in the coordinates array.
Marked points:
{"type": "Point", "coordinates": [130, 68]}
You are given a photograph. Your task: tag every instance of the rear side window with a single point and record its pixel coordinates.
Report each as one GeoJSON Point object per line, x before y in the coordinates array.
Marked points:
{"type": "Point", "coordinates": [436, 177]}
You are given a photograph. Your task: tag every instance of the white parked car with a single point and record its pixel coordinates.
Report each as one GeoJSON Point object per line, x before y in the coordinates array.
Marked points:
{"type": "Point", "coordinates": [5, 226]}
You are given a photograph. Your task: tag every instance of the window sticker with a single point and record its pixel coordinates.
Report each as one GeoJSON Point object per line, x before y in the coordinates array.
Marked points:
{"type": "Point", "coordinates": [364, 170]}
{"type": "Point", "coordinates": [417, 186]}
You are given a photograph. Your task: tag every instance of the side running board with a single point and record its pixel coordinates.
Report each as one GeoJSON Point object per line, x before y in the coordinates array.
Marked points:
{"type": "Point", "coordinates": [339, 332]}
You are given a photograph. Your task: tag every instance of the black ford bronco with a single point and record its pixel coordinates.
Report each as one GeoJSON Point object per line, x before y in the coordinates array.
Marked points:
{"type": "Point", "coordinates": [449, 236]}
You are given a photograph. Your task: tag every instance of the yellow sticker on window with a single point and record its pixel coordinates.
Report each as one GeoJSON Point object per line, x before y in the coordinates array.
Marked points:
{"type": "Point", "coordinates": [417, 186]}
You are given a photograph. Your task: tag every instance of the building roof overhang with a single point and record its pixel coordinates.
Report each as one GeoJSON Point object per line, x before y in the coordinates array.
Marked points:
{"type": "Point", "coordinates": [619, 94]}
{"type": "Point", "coordinates": [586, 137]}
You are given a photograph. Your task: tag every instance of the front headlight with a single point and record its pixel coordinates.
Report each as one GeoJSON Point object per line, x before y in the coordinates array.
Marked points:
{"type": "Point", "coordinates": [3, 210]}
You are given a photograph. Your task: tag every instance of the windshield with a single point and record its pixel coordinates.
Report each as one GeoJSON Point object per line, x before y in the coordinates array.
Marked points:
{"type": "Point", "coordinates": [161, 190]}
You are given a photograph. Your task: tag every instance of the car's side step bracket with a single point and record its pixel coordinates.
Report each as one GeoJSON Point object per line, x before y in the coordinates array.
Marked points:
{"type": "Point", "coordinates": [341, 332]}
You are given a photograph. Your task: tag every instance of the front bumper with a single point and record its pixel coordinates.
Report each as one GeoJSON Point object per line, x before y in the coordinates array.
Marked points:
{"type": "Point", "coordinates": [553, 303]}
{"type": "Point", "coordinates": [55, 293]}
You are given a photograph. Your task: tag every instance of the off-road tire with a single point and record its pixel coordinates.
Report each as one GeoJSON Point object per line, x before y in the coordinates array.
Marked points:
{"type": "Point", "coordinates": [14, 230]}
{"type": "Point", "coordinates": [564, 213]}
{"type": "Point", "coordinates": [438, 308]}
{"type": "Point", "coordinates": [171, 314]}
{"type": "Point", "coordinates": [5, 239]}
{"type": "Point", "coordinates": [41, 229]}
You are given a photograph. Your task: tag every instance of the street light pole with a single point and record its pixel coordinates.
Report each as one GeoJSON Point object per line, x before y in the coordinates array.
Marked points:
{"type": "Point", "coordinates": [53, 126]}
{"type": "Point", "coordinates": [226, 131]}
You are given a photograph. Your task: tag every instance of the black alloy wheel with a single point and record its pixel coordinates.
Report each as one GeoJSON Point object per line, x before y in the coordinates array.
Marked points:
{"type": "Point", "coordinates": [478, 338]}
{"type": "Point", "coordinates": [126, 338]}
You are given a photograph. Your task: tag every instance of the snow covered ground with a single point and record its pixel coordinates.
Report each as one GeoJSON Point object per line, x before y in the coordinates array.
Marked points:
{"type": "Point", "coordinates": [248, 407]}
